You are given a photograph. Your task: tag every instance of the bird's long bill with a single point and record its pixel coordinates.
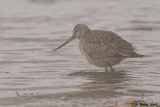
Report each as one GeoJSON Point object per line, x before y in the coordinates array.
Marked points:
{"type": "Point", "coordinates": [69, 40]}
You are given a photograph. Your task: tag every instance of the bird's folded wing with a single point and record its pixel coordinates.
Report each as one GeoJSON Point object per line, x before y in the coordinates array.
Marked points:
{"type": "Point", "coordinates": [107, 44]}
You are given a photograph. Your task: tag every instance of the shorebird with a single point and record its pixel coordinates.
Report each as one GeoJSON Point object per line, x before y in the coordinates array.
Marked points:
{"type": "Point", "coordinates": [102, 48]}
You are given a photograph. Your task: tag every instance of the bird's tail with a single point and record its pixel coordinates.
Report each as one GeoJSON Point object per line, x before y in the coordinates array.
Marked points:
{"type": "Point", "coordinates": [139, 55]}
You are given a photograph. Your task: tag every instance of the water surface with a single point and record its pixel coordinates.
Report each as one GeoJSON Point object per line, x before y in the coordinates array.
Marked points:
{"type": "Point", "coordinates": [33, 76]}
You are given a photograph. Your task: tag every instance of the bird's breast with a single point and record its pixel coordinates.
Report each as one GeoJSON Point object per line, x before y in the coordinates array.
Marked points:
{"type": "Point", "coordinates": [83, 52]}
{"type": "Point", "coordinates": [81, 45]}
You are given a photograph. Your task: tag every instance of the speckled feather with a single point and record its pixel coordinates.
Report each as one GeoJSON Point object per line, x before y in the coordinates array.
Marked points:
{"type": "Point", "coordinates": [98, 43]}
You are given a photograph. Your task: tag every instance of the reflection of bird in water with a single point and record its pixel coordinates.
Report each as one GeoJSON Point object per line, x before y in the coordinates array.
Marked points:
{"type": "Point", "coordinates": [102, 48]}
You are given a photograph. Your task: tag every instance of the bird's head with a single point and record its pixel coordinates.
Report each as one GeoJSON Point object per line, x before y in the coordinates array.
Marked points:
{"type": "Point", "coordinates": [78, 31]}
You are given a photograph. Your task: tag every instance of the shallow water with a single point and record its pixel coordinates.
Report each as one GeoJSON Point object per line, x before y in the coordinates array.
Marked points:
{"type": "Point", "coordinates": [31, 75]}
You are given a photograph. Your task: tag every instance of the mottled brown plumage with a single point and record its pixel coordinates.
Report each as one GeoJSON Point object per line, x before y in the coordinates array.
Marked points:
{"type": "Point", "coordinates": [102, 48]}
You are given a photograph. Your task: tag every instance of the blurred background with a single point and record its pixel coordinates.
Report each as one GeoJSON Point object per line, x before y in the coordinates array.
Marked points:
{"type": "Point", "coordinates": [32, 76]}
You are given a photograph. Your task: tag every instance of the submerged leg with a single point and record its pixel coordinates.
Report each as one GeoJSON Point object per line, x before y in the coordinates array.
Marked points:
{"type": "Point", "coordinates": [111, 67]}
{"type": "Point", "coordinates": [106, 69]}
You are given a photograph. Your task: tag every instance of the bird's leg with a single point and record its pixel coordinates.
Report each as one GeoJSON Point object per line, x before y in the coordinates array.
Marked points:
{"type": "Point", "coordinates": [111, 67]}
{"type": "Point", "coordinates": [106, 69]}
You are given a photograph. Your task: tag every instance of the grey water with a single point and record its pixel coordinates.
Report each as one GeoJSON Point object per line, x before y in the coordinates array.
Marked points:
{"type": "Point", "coordinates": [31, 29]}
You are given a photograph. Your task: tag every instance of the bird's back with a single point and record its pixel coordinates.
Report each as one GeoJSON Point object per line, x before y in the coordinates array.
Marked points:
{"type": "Point", "coordinates": [98, 43]}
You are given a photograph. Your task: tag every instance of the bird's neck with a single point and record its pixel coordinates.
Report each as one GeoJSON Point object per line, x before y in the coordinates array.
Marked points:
{"type": "Point", "coordinates": [88, 30]}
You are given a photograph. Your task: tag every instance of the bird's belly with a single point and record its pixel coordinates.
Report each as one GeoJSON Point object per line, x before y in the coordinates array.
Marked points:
{"type": "Point", "coordinates": [99, 61]}
{"type": "Point", "coordinates": [104, 62]}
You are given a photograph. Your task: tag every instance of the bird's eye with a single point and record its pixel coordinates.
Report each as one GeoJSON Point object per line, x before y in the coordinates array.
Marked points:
{"type": "Point", "coordinates": [75, 31]}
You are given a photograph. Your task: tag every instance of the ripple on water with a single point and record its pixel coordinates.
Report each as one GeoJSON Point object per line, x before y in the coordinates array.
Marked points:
{"type": "Point", "coordinates": [31, 29]}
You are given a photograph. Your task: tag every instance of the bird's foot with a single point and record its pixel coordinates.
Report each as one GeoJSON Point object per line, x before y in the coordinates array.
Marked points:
{"type": "Point", "coordinates": [111, 67]}
{"type": "Point", "coordinates": [106, 69]}
{"type": "Point", "coordinates": [112, 70]}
